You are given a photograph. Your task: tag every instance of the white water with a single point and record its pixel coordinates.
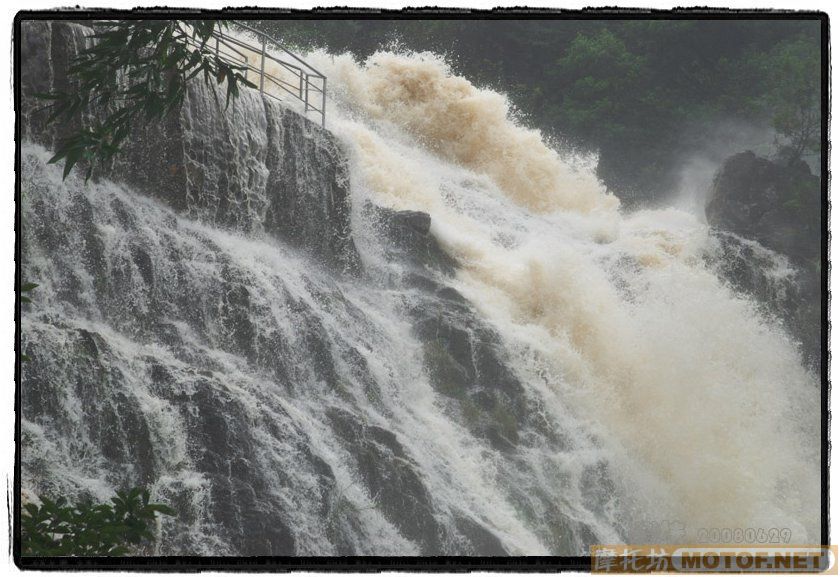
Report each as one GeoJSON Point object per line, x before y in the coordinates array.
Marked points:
{"type": "Point", "coordinates": [707, 412]}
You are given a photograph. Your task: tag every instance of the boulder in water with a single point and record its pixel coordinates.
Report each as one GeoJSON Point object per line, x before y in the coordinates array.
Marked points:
{"type": "Point", "coordinates": [776, 203]}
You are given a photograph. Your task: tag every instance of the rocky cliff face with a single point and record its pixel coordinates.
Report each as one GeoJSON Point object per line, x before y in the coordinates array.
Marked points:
{"type": "Point", "coordinates": [205, 326]}
{"type": "Point", "coordinates": [243, 168]}
{"type": "Point", "coordinates": [776, 204]}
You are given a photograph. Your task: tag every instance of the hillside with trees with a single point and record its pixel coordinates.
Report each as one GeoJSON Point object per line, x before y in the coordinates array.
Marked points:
{"type": "Point", "coordinates": [644, 94]}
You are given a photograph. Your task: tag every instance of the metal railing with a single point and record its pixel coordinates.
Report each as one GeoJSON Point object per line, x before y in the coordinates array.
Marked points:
{"type": "Point", "coordinates": [300, 80]}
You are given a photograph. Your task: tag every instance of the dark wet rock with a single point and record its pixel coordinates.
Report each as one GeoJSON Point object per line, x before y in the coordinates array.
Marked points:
{"type": "Point", "coordinates": [308, 183]}
{"type": "Point", "coordinates": [36, 38]}
{"type": "Point", "coordinates": [481, 541]}
{"type": "Point", "coordinates": [408, 239]}
{"type": "Point", "coordinates": [561, 533]}
{"type": "Point", "coordinates": [116, 435]}
{"type": "Point", "coordinates": [465, 363]}
{"type": "Point", "coordinates": [462, 354]}
{"type": "Point", "coordinates": [113, 423]}
{"type": "Point", "coordinates": [160, 358]}
{"type": "Point", "coordinates": [795, 299]}
{"type": "Point", "coordinates": [252, 166]}
{"type": "Point", "coordinates": [225, 452]}
{"type": "Point", "coordinates": [46, 51]}
{"type": "Point", "coordinates": [776, 203]}
{"type": "Point", "coordinates": [235, 315]}
{"type": "Point", "coordinates": [392, 478]}
{"type": "Point", "coordinates": [410, 222]}
{"type": "Point", "coordinates": [144, 264]}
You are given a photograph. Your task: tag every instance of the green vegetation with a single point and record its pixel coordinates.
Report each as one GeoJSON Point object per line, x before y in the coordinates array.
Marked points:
{"type": "Point", "coordinates": [644, 93]}
{"type": "Point", "coordinates": [56, 528]}
{"type": "Point", "coordinates": [121, 527]}
{"type": "Point", "coordinates": [792, 93]}
{"type": "Point", "coordinates": [135, 70]}
{"type": "Point", "coordinates": [25, 289]}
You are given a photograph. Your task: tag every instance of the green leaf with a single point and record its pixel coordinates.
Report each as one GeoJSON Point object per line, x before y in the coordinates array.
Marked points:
{"type": "Point", "coordinates": [163, 509]}
{"type": "Point", "coordinates": [59, 528]}
{"type": "Point", "coordinates": [153, 60]}
{"type": "Point", "coordinates": [68, 166]}
{"type": "Point", "coordinates": [57, 156]}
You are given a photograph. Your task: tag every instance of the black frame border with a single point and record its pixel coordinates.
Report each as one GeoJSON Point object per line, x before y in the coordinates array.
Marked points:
{"type": "Point", "coordinates": [193, 564]}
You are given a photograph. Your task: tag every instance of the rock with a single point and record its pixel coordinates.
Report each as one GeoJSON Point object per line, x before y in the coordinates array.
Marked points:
{"type": "Point", "coordinates": [252, 166]}
{"type": "Point", "coordinates": [392, 479]}
{"type": "Point", "coordinates": [463, 356]}
{"type": "Point", "coordinates": [419, 222]}
{"type": "Point", "coordinates": [483, 542]}
{"type": "Point", "coordinates": [776, 203]}
{"type": "Point", "coordinates": [308, 179]}
{"type": "Point", "coordinates": [408, 239]}
{"type": "Point", "coordinates": [46, 50]}
{"type": "Point", "coordinates": [465, 363]}
{"type": "Point", "coordinates": [239, 386]}
{"type": "Point", "coordinates": [245, 508]}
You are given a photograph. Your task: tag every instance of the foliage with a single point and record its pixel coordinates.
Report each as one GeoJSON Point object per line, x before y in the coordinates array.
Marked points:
{"type": "Point", "coordinates": [793, 94]}
{"type": "Point", "coordinates": [136, 70]}
{"type": "Point", "coordinates": [121, 527]}
{"type": "Point", "coordinates": [26, 288]}
{"type": "Point", "coordinates": [596, 68]}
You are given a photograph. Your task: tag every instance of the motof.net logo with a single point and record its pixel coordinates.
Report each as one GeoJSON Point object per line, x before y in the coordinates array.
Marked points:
{"type": "Point", "coordinates": [714, 559]}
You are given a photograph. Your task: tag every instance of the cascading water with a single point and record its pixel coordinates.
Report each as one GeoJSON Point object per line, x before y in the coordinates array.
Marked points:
{"type": "Point", "coordinates": [474, 352]}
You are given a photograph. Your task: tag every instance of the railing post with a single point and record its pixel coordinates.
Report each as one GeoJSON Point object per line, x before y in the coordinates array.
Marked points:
{"type": "Point", "coordinates": [262, 66]}
{"type": "Point", "coordinates": [324, 103]}
{"type": "Point", "coordinates": [304, 77]}
{"type": "Point", "coordinates": [300, 88]}
{"type": "Point", "coordinates": [217, 46]}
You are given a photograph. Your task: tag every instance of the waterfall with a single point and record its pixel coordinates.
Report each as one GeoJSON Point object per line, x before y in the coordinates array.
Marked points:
{"type": "Point", "coordinates": [420, 332]}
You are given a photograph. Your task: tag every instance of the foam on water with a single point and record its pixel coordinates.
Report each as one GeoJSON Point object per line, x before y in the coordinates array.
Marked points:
{"type": "Point", "coordinates": [703, 401]}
